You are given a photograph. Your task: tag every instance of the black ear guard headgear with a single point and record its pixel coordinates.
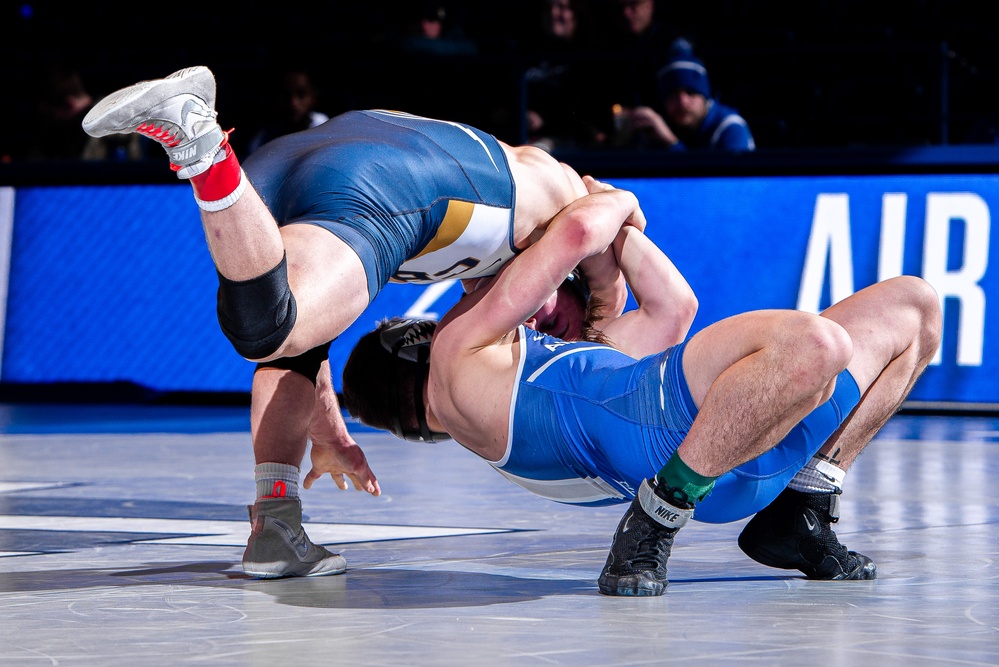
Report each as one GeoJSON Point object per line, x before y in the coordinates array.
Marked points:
{"type": "Point", "coordinates": [408, 340]}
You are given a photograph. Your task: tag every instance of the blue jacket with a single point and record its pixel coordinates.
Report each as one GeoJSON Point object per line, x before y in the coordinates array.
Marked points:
{"type": "Point", "coordinates": [723, 128]}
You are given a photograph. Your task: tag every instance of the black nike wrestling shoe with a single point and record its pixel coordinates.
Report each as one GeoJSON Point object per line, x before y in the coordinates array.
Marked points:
{"type": "Point", "coordinates": [793, 533]}
{"type": "Point", "coordinates": [636, 564]}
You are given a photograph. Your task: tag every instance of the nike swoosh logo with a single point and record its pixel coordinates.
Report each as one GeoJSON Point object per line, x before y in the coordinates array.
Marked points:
{"type": "Point", "coordinates": [479, 142]}
{"type": "Point", "coordinates": [301, 546]}
{"type": "Point", "coordinates": [808, 522]}
{"type": "Point", "coordinates": [188, 107]}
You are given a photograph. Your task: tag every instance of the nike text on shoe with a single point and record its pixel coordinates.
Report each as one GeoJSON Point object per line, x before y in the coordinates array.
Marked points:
{"type": "Point", "coordinates": [279, 547]}
{"type": "Point", "coordinates": [793, 533]}
{"type": "Point", "coordinates": [177, 111]}
{"type": "Point", "coordinates": [636, 564]}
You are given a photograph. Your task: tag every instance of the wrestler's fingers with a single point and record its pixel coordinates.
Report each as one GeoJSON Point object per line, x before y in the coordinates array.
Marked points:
{"type": "Point", "coordinates": [594, 186]}
{"type": "Point", "coordinates": [340, 482]}
{"type": "Point", "coordinates": [637, 219]}
{"type": "Point", "coordinates": [368, 485]}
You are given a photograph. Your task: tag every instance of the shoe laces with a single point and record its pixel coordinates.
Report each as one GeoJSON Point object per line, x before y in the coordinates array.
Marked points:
{"type": "Point", "coordinates": [159, 133]}
{"type": "Point", "coordinates": [651, 551]}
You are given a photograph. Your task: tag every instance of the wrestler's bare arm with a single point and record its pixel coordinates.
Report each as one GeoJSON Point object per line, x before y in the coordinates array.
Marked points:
{"type": "Point", "coordinates": [666, 303]}
{"type": "Point", "coordinates": [583, 228]}
{"type": "Point", "coordinates": [334, 451]}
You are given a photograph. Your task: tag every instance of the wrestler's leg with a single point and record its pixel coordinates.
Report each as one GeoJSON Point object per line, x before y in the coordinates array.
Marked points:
{"type": "Point", "coordinates": [329, 282]}
{"type": "Point", "coordinates": [895, 329]}
{"type": "Point", "coordinates": [259, 273]}
{"type": "Point", "coordinates": [330, 285]}
{"type": "Point", "coordinates": [752, 377]}
{"type": "Point", "coordinates": [895, 326]}
{"type": "Point", "coordinates": [268, 276]}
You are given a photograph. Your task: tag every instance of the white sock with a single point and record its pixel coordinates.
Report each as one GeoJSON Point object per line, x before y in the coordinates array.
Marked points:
{"type": "Point", "coordinates": [276, 480]}
{"type": "Point", "coordinates": [818, 476]}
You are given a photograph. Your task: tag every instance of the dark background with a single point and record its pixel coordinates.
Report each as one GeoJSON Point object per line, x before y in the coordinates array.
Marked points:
{"type": "Point", "coordinates": [804, 74]}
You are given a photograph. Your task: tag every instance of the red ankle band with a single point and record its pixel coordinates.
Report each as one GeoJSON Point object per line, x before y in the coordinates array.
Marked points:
{"type": "Point", "coordinates": [220, 180]}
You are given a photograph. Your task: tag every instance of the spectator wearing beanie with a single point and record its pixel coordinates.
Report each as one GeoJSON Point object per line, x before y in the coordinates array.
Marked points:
{"type": "Point", "coordinates": [691, 117]}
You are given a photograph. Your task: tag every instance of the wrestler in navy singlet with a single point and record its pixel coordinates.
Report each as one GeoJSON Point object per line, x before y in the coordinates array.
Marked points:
{"type": "Point", "coordinates": [589, 423]}
{"type": "Point", "coordinates": [419, 200]}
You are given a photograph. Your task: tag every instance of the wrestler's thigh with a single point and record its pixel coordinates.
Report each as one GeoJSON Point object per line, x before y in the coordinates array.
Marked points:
{"type": "Point", "coordinates": [714, 349]}
{"type": "Point", "coordinates": [881, 320]}
{"type": "Point", "coordinates": [328, 281]}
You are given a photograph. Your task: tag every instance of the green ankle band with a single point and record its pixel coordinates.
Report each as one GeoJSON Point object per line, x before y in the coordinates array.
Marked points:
{"type": "Point", "coordinates": [677, 475]}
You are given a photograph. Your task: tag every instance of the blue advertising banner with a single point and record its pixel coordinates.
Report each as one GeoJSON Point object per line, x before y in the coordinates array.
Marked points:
{"type": "Point", "coordinates": [115, 284]}
{"type": "Point", "coordinates": [807, 242]}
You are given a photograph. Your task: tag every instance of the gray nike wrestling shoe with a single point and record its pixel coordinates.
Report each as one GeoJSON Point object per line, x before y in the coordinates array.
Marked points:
{"type": "Point", "coordinates": [636, 564]}
{"type": "Point", "coordinates": [793, 533]}
{"type": "Point", "coordinates": [177, 111]}
{"type": "Point", "coordinates": [279, 547]}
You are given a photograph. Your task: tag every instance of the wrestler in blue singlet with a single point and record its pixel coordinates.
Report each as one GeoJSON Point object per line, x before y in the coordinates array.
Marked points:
{"type": "Point", "coordinates": [589, 423]}
{"type": "Point", "coordinates": [419, 200]}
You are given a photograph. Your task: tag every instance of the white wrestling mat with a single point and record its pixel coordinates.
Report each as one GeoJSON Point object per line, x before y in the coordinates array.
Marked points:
{"type": "Point", "coordinates": [120, 545]}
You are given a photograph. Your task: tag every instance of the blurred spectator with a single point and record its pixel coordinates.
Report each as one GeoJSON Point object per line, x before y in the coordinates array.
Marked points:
{"type": "Point", "coordinates": [560, 111]}
{"type": "Point", "coordinates": [293, 106]}
{"type": "Point", "coordinates": [637, 43]}
{"type": "Point", "coordinates": [429, 31]}
{"type": "Point", "coordinates": [51, 129]}
{"type": "Point", "coordinates": [433, 68]}
{"type": "Point", "coordinates": [691, 117]}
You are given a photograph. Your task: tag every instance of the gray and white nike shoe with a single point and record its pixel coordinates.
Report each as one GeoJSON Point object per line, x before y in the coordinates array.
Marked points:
{"type": "Point", "coordinates": [177, 111]}
{"type": "Point", "coordinates": [279, 547]}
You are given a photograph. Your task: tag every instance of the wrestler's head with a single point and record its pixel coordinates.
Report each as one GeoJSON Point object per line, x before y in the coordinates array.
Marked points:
{"type": "Point", "coordinates": [384, 376]}
{"type": "Point", "coordinates": [570, 312]}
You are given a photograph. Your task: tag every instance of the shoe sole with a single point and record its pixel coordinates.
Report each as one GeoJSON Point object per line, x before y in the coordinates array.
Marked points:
{"type": "Point", "coordinates": [121, 111]}
{"type": "Point", "coordinates": [257, 572]}
{"type": "Point", "coordinates": [866, 571]}
{"type": "Point", "coordinates": [631, 586]}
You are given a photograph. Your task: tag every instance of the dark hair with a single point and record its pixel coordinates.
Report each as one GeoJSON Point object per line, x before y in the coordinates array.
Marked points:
{"type": "Point", "coordinates": [383, 378]}
{"type": "Point", "coordinates": [593, 307]}
{"type": "Point", "coordinates": [377, 387]}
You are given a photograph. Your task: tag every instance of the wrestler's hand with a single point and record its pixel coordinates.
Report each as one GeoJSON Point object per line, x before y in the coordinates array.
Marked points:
{"type": "Point", "coordinates": [637, 217]}
{"type": "Point", "coordinates": [333, 449]}
{"type": "Point", "coordinates": [339, 459]}
{"type": "Point", "coordinates": [593, 185]}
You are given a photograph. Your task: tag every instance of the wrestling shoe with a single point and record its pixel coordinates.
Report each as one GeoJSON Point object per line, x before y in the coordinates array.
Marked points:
{"type": "Point", "coordinates": [793, 533]}
{"type": "Point", "coordinates": [279, 547]}
{"type": "Point", "coordinates": [177, 111]}
{"type": "Point", "coordinates": [636, 564]}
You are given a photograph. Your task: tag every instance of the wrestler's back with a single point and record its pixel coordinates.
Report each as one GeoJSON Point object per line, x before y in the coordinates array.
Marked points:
{"type": "Point", "coordinates": [378, 164]}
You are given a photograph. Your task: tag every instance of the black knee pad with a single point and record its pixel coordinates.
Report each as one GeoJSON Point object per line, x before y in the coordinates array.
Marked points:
{"type": "Point", "coordinates": [257, 315]}
{"type": "Point", "coordinates": [307, 364]}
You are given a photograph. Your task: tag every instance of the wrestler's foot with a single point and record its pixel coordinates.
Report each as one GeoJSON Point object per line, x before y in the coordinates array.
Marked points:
{"type": "Point", "coordinates": [279, 547]}
{"type": "Point", "coordinates": [177, 111]}
{"type": "Point", "coordinates": [793, 533]}
{"type": "Point", "coordinates": [636, 564]}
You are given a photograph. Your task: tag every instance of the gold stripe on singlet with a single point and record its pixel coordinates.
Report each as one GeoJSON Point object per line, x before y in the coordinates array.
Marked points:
{"type": "Point", "coordinates": [459, 214]}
